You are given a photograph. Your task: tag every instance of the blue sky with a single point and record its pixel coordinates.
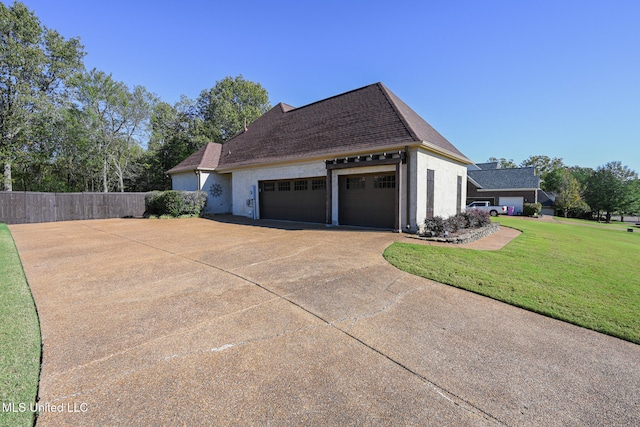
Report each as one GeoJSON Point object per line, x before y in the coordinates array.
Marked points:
{"type": "Point", "coordinates": [496, 78]}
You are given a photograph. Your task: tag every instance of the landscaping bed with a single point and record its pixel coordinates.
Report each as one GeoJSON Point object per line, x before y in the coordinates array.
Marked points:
{"type": "Point", "coordinates": [462, 236]}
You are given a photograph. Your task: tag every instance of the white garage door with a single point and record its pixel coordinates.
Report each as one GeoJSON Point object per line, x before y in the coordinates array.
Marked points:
{"type": "Point", "coordinates": [516, 202]}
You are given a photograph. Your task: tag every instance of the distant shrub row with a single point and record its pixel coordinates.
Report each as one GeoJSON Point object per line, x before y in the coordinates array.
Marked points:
{"type": "Point", "coordinates": [472, 218]}
{"type": "Point", "coordinates": [175, 203]}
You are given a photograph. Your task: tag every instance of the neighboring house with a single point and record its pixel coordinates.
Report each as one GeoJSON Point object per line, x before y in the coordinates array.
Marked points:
{"type": "Point", "coordinates": [361, 158]}
{"type": "Point", "coordinates": [548, 201]}
{"type": "Point", "coordinates": [508, 186]}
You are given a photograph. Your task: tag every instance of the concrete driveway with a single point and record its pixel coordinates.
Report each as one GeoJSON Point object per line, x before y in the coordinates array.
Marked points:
{"type": "Point", "coordinates": [199, 322]}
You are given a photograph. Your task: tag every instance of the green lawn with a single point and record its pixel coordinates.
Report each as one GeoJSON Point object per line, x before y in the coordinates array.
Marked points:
{"type": "Point", "coordinates": [586, 275]}
{"type": "Point", "coordinates": [19, 338]}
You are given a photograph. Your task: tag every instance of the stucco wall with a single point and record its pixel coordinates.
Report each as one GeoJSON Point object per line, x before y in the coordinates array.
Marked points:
{"type": "Point", "coordinates": [218, 188]}
{"type": "Point", "coordinates": [187, 181]}
{"type": "Point", "coordinates": [445, 185]}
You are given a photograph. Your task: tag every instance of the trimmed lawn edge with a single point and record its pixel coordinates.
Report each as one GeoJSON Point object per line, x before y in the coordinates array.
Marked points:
{"type": "Point", "coordinates": [21, 343]}
{"type": "Point", "coordinates": [611, 308]}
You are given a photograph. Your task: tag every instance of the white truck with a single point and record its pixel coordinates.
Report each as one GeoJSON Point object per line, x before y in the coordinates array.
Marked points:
{"type": "Point", "coordinates": [487, 207]}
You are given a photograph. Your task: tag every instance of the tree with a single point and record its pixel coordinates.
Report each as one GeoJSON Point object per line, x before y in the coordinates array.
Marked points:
{"type": "Point", "coordinates": [35, 63]}
{"type": "Point", "coordinates": [568, 191]}
{"type": "Point", "coordinates": [542, 164]}
{"type": "Point", "coordinates": [503, 163]}
{"type": "Point", "coordinates": [114, 118]}
{"type": "Point", "coordinates": [611, 188]}
{"type": "Point", "coordinates": [225, 107]}
{"type": "Point", "coordinates": [174, 137]}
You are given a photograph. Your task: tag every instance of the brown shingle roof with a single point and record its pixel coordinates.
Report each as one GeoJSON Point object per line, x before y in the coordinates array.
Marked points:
{"type": "Point", "coordinates": [205, 158]}
{"type": "Point", "coordinates": [365, 119]}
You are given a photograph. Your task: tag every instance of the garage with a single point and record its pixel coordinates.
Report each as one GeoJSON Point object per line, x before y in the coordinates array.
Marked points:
{"type": "Point", "coordinates": [516, 202]}
{"type": "Point", "coordinates": [367, 200]}
{"type": "Point", "coordinates": [302, 199]}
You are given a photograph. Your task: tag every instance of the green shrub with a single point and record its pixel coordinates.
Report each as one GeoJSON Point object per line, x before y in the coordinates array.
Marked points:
{"type": "Point", "coordinates": [532, 209]}
{"type": "Point", "coordinates": [175, 203]}
{"type": "Point", "coordinates": [151, 203]}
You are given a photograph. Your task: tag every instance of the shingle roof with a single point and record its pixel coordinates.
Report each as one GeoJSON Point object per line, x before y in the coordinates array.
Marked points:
{"type": "Point", "coordinates": [487, 166]}
{"type": "Point", "coordinates": [496, 179]}
{"type": "Point", "coordinates": [365, 119]}
{"type": "Point", "coordinates": [206, 158]}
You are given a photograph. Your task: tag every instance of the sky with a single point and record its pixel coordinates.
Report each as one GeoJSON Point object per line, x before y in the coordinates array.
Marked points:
{"type": "Point", "coordinates": [497, 78]}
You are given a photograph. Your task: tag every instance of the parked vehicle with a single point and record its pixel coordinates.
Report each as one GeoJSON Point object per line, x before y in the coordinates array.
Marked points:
{"type": "Point", "coordinates": [487, 207]}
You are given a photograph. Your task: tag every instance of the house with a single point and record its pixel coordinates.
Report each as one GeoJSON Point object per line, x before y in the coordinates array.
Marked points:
{"type": "Point", "coordinates": [508, 186]}
{"type": "Point", "coordinates": [361, 158]}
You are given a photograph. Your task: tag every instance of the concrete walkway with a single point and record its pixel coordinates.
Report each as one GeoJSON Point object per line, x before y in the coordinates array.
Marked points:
{"type": "Point", "coordinates": [200, 322]}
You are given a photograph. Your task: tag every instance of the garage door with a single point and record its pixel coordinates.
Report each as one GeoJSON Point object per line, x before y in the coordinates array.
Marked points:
{"type": "Point", "coordinates": [367, 200]}
{"type": "Point", "coordinates": [516, 202]}
{"type": "Point", "coordinates": [294, 199]}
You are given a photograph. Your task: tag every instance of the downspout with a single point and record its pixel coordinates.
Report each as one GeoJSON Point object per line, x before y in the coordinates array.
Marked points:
{"type": "Point", "coordinates": [197, 172]}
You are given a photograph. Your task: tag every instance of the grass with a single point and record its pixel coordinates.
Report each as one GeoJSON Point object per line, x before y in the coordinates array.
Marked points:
{"type": "Point", "coordinates": [585, 275]}
{"type": "Point", "coordinates": [19, 338]}
{"type": "Point", "coordinates": [614, 224]}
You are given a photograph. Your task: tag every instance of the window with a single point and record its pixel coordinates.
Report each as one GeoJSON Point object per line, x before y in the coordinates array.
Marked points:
{"type": "Point", "coordinates": [384, 181]}
{"type": "Point", "coordinates": [355, 183]}
{"type": "Point", "coordinates": [284, 186]}
{"type": "Point", "coordinates": [268, 186]}
{"type": "Point", "coordinates": [300, 185]}
{"type": "Point", "coordinates": [318, 184]}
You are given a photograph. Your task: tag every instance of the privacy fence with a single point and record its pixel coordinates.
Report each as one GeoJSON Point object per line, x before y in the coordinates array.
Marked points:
{"type": "Point", "coordinates": [19, 207]}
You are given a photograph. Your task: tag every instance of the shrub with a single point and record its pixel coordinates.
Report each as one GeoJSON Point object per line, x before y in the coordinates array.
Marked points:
{"type": "Point", "coordinates": [531, 209]}
{"type": "Point", "coordinates": [152, 203]}
{"type": "Point", "coordinates": [477, 218]}
{"type": "Point", "coordinates": [457, 222]}
{"type": "Point", "coordinates": [435, 225]}
{"type": "Point", "coordinates": [472, 218]}
{"type": "Point", "coordinates": [175, 203]}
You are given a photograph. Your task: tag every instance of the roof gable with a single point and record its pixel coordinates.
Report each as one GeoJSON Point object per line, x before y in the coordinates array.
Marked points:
{"type": "Point", "coordinates": [206, 158]}
{"type": "Point", "coordinates": [369, 118]}
{"type": "Point", "coordinates": [495, 179]}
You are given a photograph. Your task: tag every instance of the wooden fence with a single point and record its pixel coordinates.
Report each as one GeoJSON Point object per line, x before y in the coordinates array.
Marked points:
{"type": "Point", "coordinates": [19, 207]}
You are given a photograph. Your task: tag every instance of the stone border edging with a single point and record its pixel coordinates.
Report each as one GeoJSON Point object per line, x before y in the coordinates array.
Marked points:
{"type": "Point", "coordinates": [469, 237]}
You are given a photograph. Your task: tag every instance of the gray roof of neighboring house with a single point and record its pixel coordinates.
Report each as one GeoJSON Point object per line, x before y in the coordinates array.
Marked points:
{"type": "Point", "coordinates": [365, 119]}
{"type": "Point", "coordinates": [206, 158]}
{"type": "Point", "coordinates": [497, 179]}
{"type": "Point", "coordinates": [487, 166]}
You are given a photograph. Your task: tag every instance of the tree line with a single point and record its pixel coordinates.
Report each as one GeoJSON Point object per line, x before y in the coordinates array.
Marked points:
{"type": "Point", "coordinates": [609, 189]}
{"type": "Point", "coordinates": [65, 128]}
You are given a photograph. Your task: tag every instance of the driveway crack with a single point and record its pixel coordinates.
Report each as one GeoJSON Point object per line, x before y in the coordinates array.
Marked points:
{"type": "Point", "coordinates": [442, 391]}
